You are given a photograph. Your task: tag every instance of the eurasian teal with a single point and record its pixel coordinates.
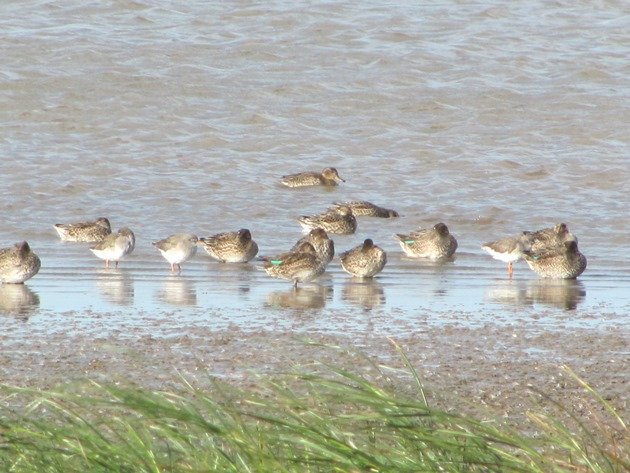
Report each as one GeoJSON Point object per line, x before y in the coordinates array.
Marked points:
{"type": "Point", "coordinates": [328, 177]}
{"type": "Point", "coordinates": [363, 208]}
{"type": "Point", "coordinates": [17, 264]}
{"type": "Point", "coordinates": [364, 261]}
{"type": "Point", "coordinates": [549, 237]}
{"type": "Point", "coordinates": [84, 231]}
{"type": "Point", "coordinates": [434, 243]}
{"type": "Point", "coordinates": [324, 246]}
{"type": "Point", "coordinates": [115, 247]}
{"type": "Point", "coordinates": [509, 249]}
{"type": "Point", "coordinates": [338, 220]}
{"type": "Point", "coordinates": [177, 248]}
{"type": "Point", "coordinates": [562, 261]}
{"type": "Point", "coordinates": [230, 247]}
{"type": "Point", "coordinates": [301, 265]}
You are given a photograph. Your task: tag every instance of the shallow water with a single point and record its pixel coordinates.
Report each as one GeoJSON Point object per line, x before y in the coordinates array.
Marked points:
{"type": "Point", "coordinates": [167, 118]}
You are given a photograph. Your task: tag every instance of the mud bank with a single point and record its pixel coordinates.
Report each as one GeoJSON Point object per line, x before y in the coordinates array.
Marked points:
{"type": "Point", "coordinates": [489, 369]}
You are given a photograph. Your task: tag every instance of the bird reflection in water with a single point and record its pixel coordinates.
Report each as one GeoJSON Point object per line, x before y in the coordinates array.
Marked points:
{"type": "Point", "coordinates": [18, 299]}
{"type": "Point", "coordinates": [178, 291]}
{"type": "Point", "coordinates": [564, 294]}
{"type": "Point", "coordinates": [303, 297]}
{"type": "Point", "coordinates": [509, 292]}
{"type": "Point", "coordinates": [236, 277]}
{"type": "Point", "coordinates": [365, 293]}
{"type": "Point", "coordinates": [116, 285]}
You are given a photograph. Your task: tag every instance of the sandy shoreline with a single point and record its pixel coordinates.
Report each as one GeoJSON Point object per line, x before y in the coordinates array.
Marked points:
{"type": "Point", "coordinates": [489, 367]}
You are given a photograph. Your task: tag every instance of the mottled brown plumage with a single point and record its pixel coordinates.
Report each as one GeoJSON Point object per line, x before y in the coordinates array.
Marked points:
{"type": "Point", "coordinates": [562, 261]}
{"type": "Point", "coordinates": [328, 177]}
{"type": "Point", "coordinates": [301, 265]}
{"type": "Point", "coordinates": [364, 261]}
{"type": "Point", "coordinates": [324, 246]}
{"type": "Point", "coordinates": [18, 264]}
{"type": "Point", "coordinates": [338, 220]}
{"type": "Point", "coordinates": [549, 237]}
{"type": "Point", "coordinates": [88, 232]}
{"type": "Point", "coordinates": [433, 243]}
{"type": "Point", "coordinates": [230, 247]}
{"type": "Point", "coordinates": [363, 208]}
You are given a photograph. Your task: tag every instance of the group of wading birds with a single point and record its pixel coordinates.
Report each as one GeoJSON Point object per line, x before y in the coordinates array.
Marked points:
{"type": "Point", "coordinates": [550, 252]}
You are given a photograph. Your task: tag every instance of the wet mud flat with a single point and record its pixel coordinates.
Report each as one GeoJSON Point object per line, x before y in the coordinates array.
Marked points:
{"type": "Point", "coordinates": [487, 369]}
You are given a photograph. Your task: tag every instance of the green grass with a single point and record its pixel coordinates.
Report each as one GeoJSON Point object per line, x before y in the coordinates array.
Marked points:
{"type": "Point", "coordinates": [329, 420]}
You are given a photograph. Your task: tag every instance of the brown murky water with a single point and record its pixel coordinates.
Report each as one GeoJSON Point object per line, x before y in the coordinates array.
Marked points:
{"type": "Point", "coordinates": [169, 117]}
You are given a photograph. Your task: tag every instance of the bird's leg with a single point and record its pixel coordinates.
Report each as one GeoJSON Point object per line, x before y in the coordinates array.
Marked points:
{"type": "Point", "coordinates": [107, 263]}
{"type": "Point", "coordinates": [510, 269]}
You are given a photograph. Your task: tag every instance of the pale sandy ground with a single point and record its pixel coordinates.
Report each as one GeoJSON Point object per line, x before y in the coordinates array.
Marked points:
{"type": "Point", "coordinates": [486, 369]}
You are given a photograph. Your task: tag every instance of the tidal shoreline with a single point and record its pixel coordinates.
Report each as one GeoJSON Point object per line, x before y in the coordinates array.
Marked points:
{"type": "Point", "coordinates": [491, 367]}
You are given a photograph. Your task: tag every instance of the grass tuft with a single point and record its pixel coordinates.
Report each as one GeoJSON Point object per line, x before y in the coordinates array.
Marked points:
{"type": "Point", "coordinates": [329, 419]}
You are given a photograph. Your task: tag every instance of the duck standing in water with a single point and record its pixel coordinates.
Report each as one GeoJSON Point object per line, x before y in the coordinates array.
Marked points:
{"type": "Point", "coordinates": [328, 177]}
{"type": "Point", "coordinates": [18, 264]}
{"type": "Point", "coordinates": [433, 243]}
{"type": "Point", "coordinates": [298, 266]}
{"type": "Point", "coordinates": [324, 246]}
{"type": "Point", "coordinates": [364, 261]}
{"type": "Point", "coordinates": [177, 249]}
{"type": "Point", "coordinates": [115, 247]}
{"type": "Point", "coordinates": [558, 262]}
{"type": "Point", "coordinates": [88, 232]}
{"type": "Point", "coordinates": [549, 237]}
{"type": "Point", "coordinates": [339, 220]}
{"type": "Point", "coordinates": [363, 208]}
{"type": "Point", "coordinates": [230, 247]}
